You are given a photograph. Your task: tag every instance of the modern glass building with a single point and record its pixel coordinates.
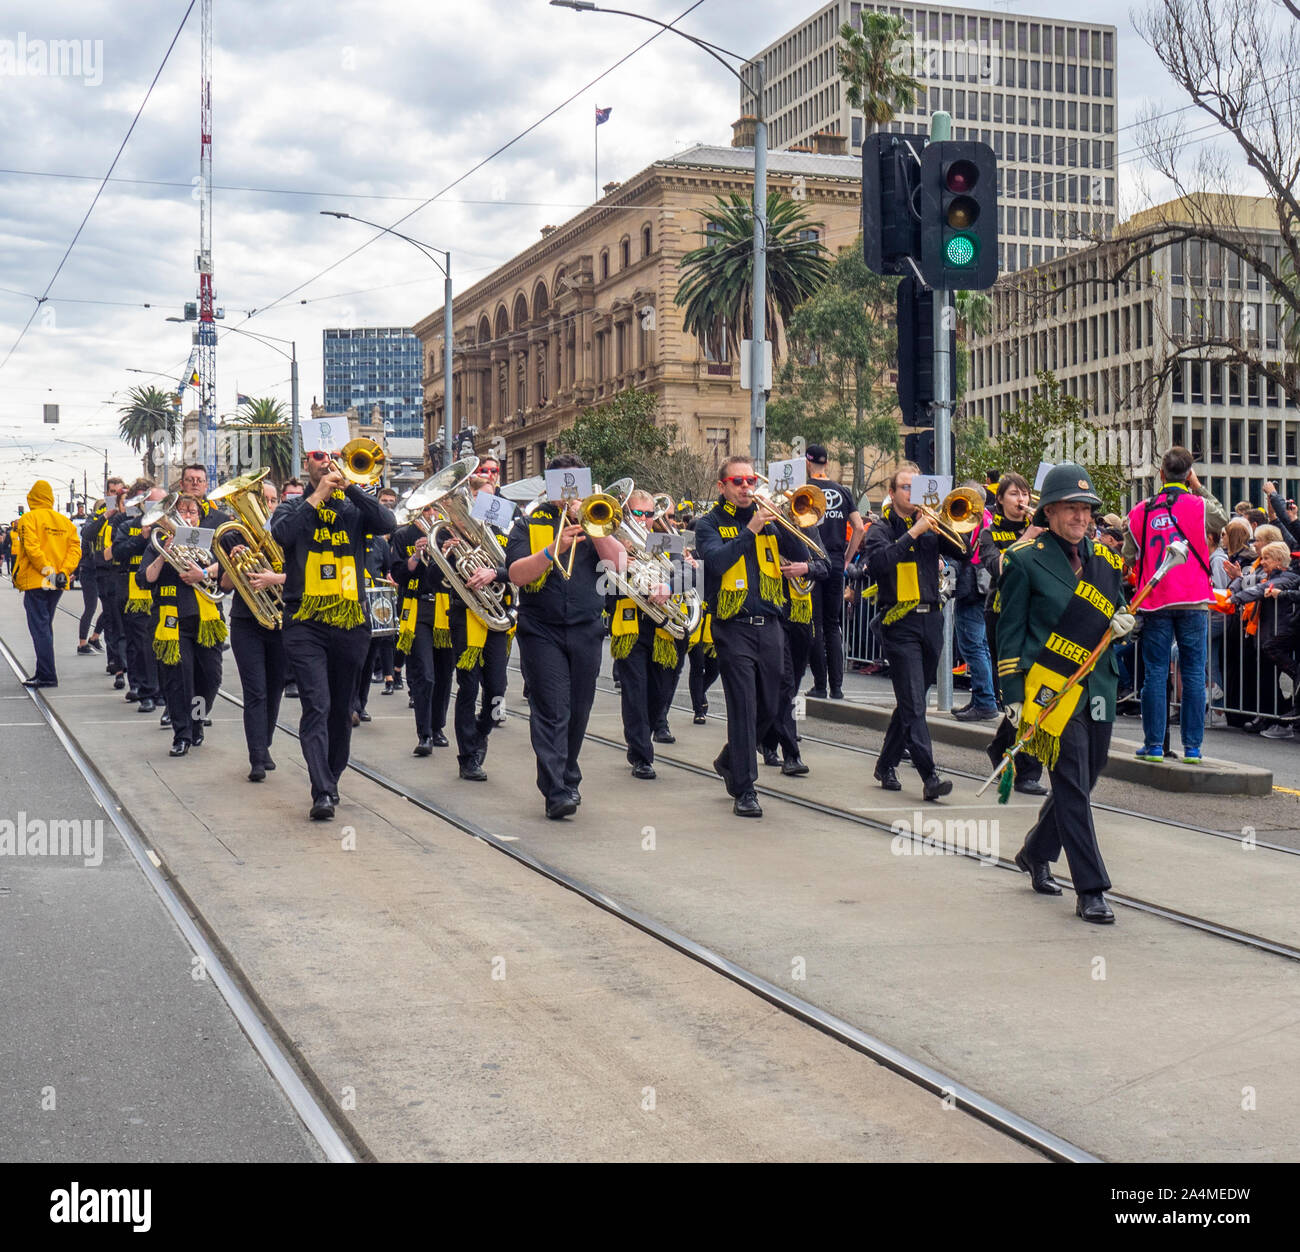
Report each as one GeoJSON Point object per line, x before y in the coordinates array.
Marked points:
{"type": "Point", "coordinates": [368, 365]}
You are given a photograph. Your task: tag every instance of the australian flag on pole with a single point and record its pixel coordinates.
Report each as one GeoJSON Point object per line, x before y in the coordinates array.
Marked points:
{"type": "Point", "coordinates": [602, 115]}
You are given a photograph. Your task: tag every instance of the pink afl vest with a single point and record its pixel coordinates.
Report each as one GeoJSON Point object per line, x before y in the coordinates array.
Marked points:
{"type": "Point", "coordinates": [1153, 530]}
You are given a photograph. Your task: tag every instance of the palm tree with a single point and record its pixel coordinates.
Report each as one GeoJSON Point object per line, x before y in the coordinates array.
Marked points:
{"type": "Point", "coordinates": [867, 62]}
{"type": "Point", "coordinates": [275, 447]}
{"type": "Point", "coordinates": [147, 414]}
{"type": "Point", "coordinates": [717, 278]}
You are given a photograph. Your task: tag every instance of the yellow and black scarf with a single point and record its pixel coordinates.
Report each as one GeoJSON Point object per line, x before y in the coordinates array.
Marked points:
{"type": "Point", "coordinates": [625, 629]}
{"type": "Point", "coordinates": [800, 605]}
{"type": "Point", "coordinates": [1080, 629]}
{"type": "Point", "coordinates": [735, 582]}
{"type": "Point", "coordinates": [541, 533]}
{"type": "Point", "coordinates": [167, 634]}
{"type": "Point", "coordinates": [703, 633]}
{"type": "Point", "coordinates": [907, 585]}
{"type": "Point", "coordinates": [330, 591]}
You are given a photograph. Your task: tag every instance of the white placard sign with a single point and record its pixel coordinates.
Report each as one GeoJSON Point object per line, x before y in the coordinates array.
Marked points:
{"type": "Point", "coordinates": [494, 510]}
{"type": "Point", "coordinates": [930, 489]}
{"type": "Point", "coordinates": [659, 542]}
{"type": "Point", "coordinates": [323, 434]}
{"type": "Point", "coordinates": [568, 484]}
{"type": "Point", "coordinates": [787, 475]}
{"type": "Point", "coordinates": [1043, 468]}
{"type": "Point", "coordinates": [193, 537]}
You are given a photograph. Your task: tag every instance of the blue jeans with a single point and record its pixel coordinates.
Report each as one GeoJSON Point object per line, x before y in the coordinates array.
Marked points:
{"type": "Point", "coordinates": [968, 625]}
{"type": "Point", "coordinates": [40, 606]}
{"type": "Point", "coordinates": [1160, 628]}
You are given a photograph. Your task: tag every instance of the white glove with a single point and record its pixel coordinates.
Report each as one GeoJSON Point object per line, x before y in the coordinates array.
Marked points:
{"type": "Point", "coordinates": [1012, 712]}
{"type": "Point", "coordinates": [1122, 623]}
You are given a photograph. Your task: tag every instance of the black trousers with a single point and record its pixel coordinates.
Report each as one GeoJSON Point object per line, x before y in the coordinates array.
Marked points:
{"type": "Point", "coordinates": [1065, 820]}
{"type": "Point", "coordinates": [379, 657]}
{"type": "Point", "coordinates": [429, 671]}
{"type": "Point", "coordinates": [476, 720]}
{"type": "Point", "coordinates": [641, 690]}
{"type": "Point", "coordinates": [191, 686]}
{"type": "Point", "coordinates": [89, 599]}
{"type": "Point", "coordinates": [827, 645]}
{"type": "Point", "coordinates": [560, 664]}
{"type": "Point", "coordinates": [326, 662]}
{"type": "Point", "coordinates": [259, 657]}
{"type": "Point", "coordinates": [911, 646]}
{"type": "Point", "coordinates": [141, 664]}
{"type": "Point", "coordinates": [1028, 768]}
{"type": "Point", "coordinates": [784, 733]}
{"type": "Point", "coordinates": [110, 596]}
{"type": "Point", "coordinates": [703, 672]}
{"type": "Point", "coordinates": [752, 661]}
{"type": "Point", "coordinates": [666, 681]}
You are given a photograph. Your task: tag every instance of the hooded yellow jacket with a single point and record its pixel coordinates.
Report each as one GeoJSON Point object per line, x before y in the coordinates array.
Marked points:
{"type": "Point", "coordinates": [45, 542]}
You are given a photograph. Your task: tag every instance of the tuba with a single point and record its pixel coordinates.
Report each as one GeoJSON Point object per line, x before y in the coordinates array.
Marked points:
{"type": "Point", "coordinates": [361, 462]}
{"type": "Point", "coordinates": [162, 515]}
{"type": "Point", "coordinates": [603, 515]}
{"type": "Point", "coordinates": [261, 553]}
{"type": "Point", "coordinates": [475, 545]}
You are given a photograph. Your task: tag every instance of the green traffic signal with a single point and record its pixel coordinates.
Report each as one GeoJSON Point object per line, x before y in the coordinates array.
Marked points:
{"type": "Point", "coordinates": [960, 250]}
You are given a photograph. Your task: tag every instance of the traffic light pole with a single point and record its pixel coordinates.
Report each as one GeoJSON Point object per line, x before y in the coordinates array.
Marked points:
{"type": "Point", "coordinates": [941, 132]}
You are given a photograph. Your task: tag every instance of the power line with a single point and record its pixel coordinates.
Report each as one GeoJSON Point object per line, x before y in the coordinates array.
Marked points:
{"type": "Point", "coordinates": [99, 191]}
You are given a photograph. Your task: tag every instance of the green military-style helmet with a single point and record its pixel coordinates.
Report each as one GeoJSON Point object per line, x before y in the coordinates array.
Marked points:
{"type": "Point", "coordinates": [1065, 483]}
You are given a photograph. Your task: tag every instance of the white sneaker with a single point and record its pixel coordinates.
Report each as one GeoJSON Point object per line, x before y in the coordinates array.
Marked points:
{"type": "Point", "coordinates": [1216, 692]}
{"type": "Point", "coordinates": [1287, 684]}
{"type": "Point", "coordinates": [1278, 732]}
{"type": "Point", "coordinates": [1215, 718]}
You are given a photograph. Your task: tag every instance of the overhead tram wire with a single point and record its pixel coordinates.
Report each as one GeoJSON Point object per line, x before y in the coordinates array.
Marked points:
{"type": "Point", "coordinates": [100, 190]}
{"type": "Point", "coordinates": [490, 157]}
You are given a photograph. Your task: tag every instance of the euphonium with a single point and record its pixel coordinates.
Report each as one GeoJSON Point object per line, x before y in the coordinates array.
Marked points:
{"type": "Point", "coordinates": [474, 547]}
{"type": "Point", "coordinates": [361, 462]}
{"type": "Point", "coordinates": [162, 516]}
{"type": "Point", "coordinates": [261, 553]}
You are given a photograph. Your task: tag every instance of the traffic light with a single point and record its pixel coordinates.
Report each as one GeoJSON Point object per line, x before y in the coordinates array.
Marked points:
{"type": "Point", "coordinates": [916, 354]}
{"type": "Point", "coordinates": [891, 225]}
{"type": "Point", "coordinates": [919, 449]}
{"type": "Point", "coordinates": [959, 216]}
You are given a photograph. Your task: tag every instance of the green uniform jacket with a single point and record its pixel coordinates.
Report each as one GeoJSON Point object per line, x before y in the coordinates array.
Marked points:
{"type": "Point", "coordinates": [1037, 585]}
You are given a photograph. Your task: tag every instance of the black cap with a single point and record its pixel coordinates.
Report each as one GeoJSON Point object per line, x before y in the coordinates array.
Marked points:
{"type": "Point", "coordinates": [817, 454]}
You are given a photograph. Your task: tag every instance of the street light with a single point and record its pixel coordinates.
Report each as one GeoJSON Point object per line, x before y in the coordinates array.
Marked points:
{"type": "Point", "coordinates": [291, 356]}
{"type": "Point", "coordinates": [757, 397]}
{"type": "Point", "coordinates": [428, 250]}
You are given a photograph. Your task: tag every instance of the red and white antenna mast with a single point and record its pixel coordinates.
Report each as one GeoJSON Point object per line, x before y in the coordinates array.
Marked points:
{"type": "Point", "coordinates": [207, 334]}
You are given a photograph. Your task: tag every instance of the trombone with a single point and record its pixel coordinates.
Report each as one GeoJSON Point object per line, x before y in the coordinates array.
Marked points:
{"type": "Point", "coordinates": [958, 515]}
{"type": "Point", "coordinates": [799, 510]}
{"type": "Point", "coordinates": [361, 462]}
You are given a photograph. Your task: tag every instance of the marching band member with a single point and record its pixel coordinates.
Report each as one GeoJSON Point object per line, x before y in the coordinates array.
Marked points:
{"type": "Point", "coordinates": [188, 632]}
{"type": "Point", "coordinates": [742, 554]}
{"type": "Point", "coordinates": [379, 557]}
{"type": "Point", "coordinates": [326, 638]}
{"type": "Point", "coordinates": [902, 553]}
{"type": "Point", "coordinates": [259, 658]}
{"type": "Point", "coordinates": [425, 632]}
{"type": "Point", "coordinates": [126, 546]}
{"type": "Point", "coordinates": [1010, 524]}
{"type": "Point", "coordinates": [559, 636]}
{"type": "Point", "coordinates": [826, 653]}
{"type": "Point", "coordinates": [107, 584]}
{"type": "Point", "coordinates": [480, 653]}
{"type": "Point", "coordinates": [702, 655]}
{"type": "Point", "coordinates": [666, 679]}
{"type": "Point", "coordinates": [1060, 592]}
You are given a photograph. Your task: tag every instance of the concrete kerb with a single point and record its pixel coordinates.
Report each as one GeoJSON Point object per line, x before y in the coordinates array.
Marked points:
{"type": "Point", "coordinates": [1224, 778]}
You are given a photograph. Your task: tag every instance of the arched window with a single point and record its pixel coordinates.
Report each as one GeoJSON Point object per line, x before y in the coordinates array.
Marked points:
{"type": "Point", "coordinates": [604, 263]}
{"type": "Point", "coordinates": [624, 253]}
{"type": "Point", "coordinates": [645, 239]}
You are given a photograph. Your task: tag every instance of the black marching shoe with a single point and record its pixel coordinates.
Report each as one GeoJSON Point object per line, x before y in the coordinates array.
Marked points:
{"type": "Point", "coordinates": [84, 649]}
{"type": "Point", "coordinates": [642, 770]}
{"type": "Point", "coordinates": [267, 763]}
{"type": "Point", "coordinates": [388, 688]}
{"type": "Point", "coordinates": [179, 747]}
{"type": "Point", "coordinates": [700, 719]}
{"type": "Point", "coordinates": [936, 787]}
{"type": "Point", "coordinates": [398, 684]}
{"type": "Point", "coordinates": [119, 682]}
{"type": "Point", "coordinates": [472, 771]}
{"type": "Point", "coordinates": [131, 696]}
{"type": "Point", "coordinates": [165, 720]}
{"type": "Point", "coordinates": [771, 757]}
{"type": "Point", "coordinates": [747, 805]}
{"type": "Point", "coordinates": [322, 810]}
{"type": "Point", "coordinates": [1092, 907]}
{"type": "Point", "coordinates": [147, 704]}
{"type": "Point", "coordinates": [888, 779]}
{"type": "Point", "coordinates": [971, 714]}
{"type": "Point", "coordinates": [291, 691]}
{"type": "Point", "coordinates": [1040, 874]}
{"type": "Point", "coordinates": [561, 808]}
{"type": "Point", "coordinates": [257, 773]}
{"type": "Point", "coordinates": [664, 735]}
{"type": "Point", "coordinates": [334, 797]}
{"type": "Point", "coordinates": [196, 739]}
{"type": "Point", "coordinates": [816, 693]}
{"type": "Point", "coordinates": [837, 693]}
{"type": "Point", "coordinates": [439, 739]}
{"type": "Point", "coordinates": [37, 682]}
{"type": "Point", "coordinates": [96, 645]}
{"type": "Point", "coordinates": [722, 768]}
{"type": "Point", "coordinates": [574, 796]}
{"type": "Point", "coordinates": [794, 767]}
{"type": "Point", "coordinates": [1031, 787]}
{"type": "Point", "coordinates": [423, 748]}
{"type": "Point", "coordinates": [365, 717]}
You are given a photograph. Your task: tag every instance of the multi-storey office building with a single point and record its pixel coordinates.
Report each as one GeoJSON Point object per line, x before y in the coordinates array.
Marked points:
{"type": "Point", "coordinates": [368, 365]}
{"type": "Point", "coordinates": [1040, 92]}
{"type": "Point", "coordinates": [1138, 354]}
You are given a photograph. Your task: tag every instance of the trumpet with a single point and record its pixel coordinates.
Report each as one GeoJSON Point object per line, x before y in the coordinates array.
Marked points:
{"type": "Point", "coordinates": [261, 553]}
{"type": "Point", "coordinates": [361, 462]}
{"type": "Point", "coordinates": [162, 516]}
{"type": "Point", "coordinates": [958, 515]}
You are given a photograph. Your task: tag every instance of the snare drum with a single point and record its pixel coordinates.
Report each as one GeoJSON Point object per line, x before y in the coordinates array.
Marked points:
{"type": "Point", "coordinates": [383, 610]}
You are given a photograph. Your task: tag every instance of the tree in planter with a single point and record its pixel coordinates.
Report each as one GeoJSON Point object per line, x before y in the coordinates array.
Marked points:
{"type": "Point", "coordinates": [1050, 427]}
{"type": "Point", "coordinates": [832, 389]}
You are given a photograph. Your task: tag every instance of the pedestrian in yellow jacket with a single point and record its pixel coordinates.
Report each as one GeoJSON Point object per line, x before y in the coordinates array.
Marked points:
{"type": "Point", "coordinates": [47, 550]}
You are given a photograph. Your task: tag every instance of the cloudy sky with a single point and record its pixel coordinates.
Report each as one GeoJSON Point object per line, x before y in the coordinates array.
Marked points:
{"type": "Point", "coordinates": [370, 107]}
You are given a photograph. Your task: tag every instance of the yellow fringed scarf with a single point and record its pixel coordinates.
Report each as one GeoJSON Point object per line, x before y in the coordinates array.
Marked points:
{"type": "Point", "coordinates": [771, 587]}
{"type": "Point", "coordinates": [167, 634]}
{"type": "Point", "coordinates": [703, 634]}
{"type": "Point", "coordinates": [541, 533]}
{"type": "Point", "coordinates": [624, 627]}
{"type": "Point", "coordinates": [406, 628]}
{"type": "Point", "coordinates": [442, 620]}
{"type": "Point", "coordinates": [330, 584]}
{"type": "Point", "coordinates": [800, 606]}
{"type": "Point", "coordinates": [665, 649]}
{"type": "Point", "coordinates": [476, 634]}
{"type": "Point", "coordinates": [139, 599]}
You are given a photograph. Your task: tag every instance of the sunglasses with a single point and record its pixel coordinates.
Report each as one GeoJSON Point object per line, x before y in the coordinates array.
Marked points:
{"type": "Point", "coordinates": [318, 456]}
{"type": "Point", "coordinates": [742, 480]}
{"type": "Point", "coordinates": [642, 512]}
{"type": "Point", "coordinates": [494, 470]}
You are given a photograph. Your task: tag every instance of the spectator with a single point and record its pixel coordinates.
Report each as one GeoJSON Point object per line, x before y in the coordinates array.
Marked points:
{"type": "Point", "coordinates": [1241, 508]}
{"type": "Point", "coordinates": [1270, 634]}
{"type": "Point", "coordinates": [1279, 515]}
{"type": "Point", "coordinates": [1175, 610]}
{"type": "Point", "coordinates": [46, 552]}
{"type": "Point", "coordinates": [973, 584]}
{"type": "Point", "coordinates": [1256, 518]}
